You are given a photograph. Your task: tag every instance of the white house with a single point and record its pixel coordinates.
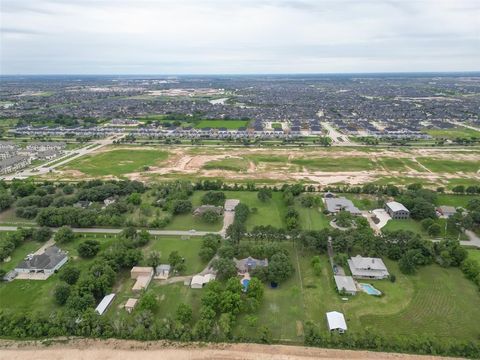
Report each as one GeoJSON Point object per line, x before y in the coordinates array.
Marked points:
{"type": "Point", "coordinates": [336, 322]}
{"type": "Point", "coordinates": [367, 268]}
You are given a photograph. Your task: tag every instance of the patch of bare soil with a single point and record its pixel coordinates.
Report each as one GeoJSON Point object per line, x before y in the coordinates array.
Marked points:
{"type": "Point", "coordinates": [81, 349]}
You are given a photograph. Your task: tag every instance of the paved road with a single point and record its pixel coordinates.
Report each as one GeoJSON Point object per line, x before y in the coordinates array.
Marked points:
{"type": "Point", "coordinates": [474, 240]}
{"type": "Point", "coordinates": [118, 231]}
{"type": "Point", "coordinates": [337, 137]}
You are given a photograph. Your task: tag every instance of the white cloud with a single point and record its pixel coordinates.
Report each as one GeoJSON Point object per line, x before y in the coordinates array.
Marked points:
{"type": "Point", "coordinates": [215, 36]}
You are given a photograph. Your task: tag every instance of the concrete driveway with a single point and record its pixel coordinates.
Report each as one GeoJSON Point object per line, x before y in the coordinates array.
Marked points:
{"type": "Point", "coordinates": [383, 216]}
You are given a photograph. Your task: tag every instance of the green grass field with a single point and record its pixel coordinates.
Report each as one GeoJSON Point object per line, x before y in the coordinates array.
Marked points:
{"type": "Point", "coordinates": [416, 227]}
{"type": "Point", "coordinates": [442, 305]}
{"type": "Point", "coordinates": [336, 164]}
{"type": "Point", "coordinates": [449, 166]}
{"type": "Point", "coordinates": [455, 200]}
{"type": "Point", "coordinates": [399, 164]}
{"type": "Point", "coordinates": [474, 254]}
{"type": "Point", "coordinates": [228, 124]}
{"type": "Point", "coordinates": [229, 164]}
{"type": "Point", "coordinates": [312, 218]}
{"type": "Point", "coordinates": [453, 133]}
{"type": "Point", "coordinates": [187, 248]}
{"type": "Point", "coordinates": [117, 162]}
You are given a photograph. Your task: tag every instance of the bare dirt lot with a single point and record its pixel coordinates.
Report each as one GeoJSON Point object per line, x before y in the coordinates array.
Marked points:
{"type": "Point", "coordinates": [81, 349]}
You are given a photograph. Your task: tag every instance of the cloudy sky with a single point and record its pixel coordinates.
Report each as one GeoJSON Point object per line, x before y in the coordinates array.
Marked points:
{"type": "Point", "coordinates": [238, 36]}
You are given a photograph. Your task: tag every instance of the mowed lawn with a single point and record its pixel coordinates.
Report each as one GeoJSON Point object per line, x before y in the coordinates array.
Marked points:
{"type": "Point", "coordinates": [187, 248]}
{"type": "Point", "coordinates": [455, 200]}
{"type": "Point", "coordinates": [444, 304]}
{"type": "Point", "coordinates": [449, 166]}
{"type": "Point", "coordinates": [416, 227]}
{"type": "Point", "coordinates": [228, 124]}
{"type": "Point", "coordinates": [117, 162]}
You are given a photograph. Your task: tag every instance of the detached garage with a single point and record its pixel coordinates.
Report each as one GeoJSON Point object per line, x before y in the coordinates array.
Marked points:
{"type": "Point", "coordinates": [336, 322]}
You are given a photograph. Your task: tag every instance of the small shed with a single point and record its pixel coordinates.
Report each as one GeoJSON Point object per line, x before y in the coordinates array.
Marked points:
{"type": "Point", "coordinates": [130, 304]}
{"type": "Point", "coordinates": [162, 271]}
{"type": "Point", "coordinates": [199, 281]}
{"type": "Point", "coordinates": [336, 321]}
{"type": "Point", "coordinates": [104, 304]}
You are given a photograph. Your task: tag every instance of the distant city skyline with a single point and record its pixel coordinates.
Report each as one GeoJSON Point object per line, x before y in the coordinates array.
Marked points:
{"type": "Point", "coordinates": [238, 37]}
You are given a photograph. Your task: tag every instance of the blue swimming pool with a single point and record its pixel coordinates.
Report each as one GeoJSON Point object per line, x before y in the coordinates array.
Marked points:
{"type": "Point", "coordinates": [370, 290]}
{"type": "Point", "coordinates": [245, 283]}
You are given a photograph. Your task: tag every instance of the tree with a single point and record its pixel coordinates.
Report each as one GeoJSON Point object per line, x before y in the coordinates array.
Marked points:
{"type": "Point", "coordinates": [344, 219]}
{"type": "Point", "coordinates": [210, 216]}
{"type": "Point", "coordinates": [434, 230]}
{"type": "Point", "coordinates": [225, 268]}
{"type": "Point", "coordinates": [61, 293]}
{"type": "Point", "coordinates": [134, 199]}
{"type": "Point", "coordinates": [68, 189]}
{"type": "Point", "coordinates": [181, 207]}
{"type": "Point", "coordinates": [64, 235]}
{"type": "Point", "coordinates": [216, 198]}
{"type": "Point", "coordinates": [264, 194]}
{"type": "Point", "coordinates": [147, 302]}
{"type": "Point", "coordinates": [279, 268]}
{"type": "Point", "coordinates": [153, 259]}
{"type": "Point", "coordinates": [42, 234]}
{"type": "Point", "coordinates": [422, 209]}
{"type": "Point", "coordinates": [88, 248]}
{"type": "Point", "coordinates": [176, 262]}
{"type": "Point", "coordinates": [410, 260]}
{"type": "Point", "coordinates": [5, 201]}
{"type": "Point", "coordinates": [184, 313]}
{"type": "Point", "coordinates": [70, 274]}
{"type": "Point", "coordinates": [459, 189]}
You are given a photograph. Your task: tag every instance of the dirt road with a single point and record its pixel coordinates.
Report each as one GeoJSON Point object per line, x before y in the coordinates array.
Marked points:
{"type": "Point", "coordinates": [133, 350]}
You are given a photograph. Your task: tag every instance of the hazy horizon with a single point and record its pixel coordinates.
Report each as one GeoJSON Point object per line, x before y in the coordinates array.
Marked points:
{"type": "Point", "coordinates": [251, 37]}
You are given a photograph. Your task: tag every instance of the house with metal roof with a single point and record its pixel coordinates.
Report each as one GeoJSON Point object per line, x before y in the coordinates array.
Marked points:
{"type": "Point", "coordinates": [104, 304]}
{"type": "Point", "coordinates": [335, 205]}
{"type": "Point", "coordinates": [336, 322]}
{"type": "Point", "coordinates": [397, 210]}
{"type": "Point", "coordinates": [367, 268]}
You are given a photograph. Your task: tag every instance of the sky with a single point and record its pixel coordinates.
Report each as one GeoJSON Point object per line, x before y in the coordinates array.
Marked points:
{"type": "Point", "coordinates": [238, 36]}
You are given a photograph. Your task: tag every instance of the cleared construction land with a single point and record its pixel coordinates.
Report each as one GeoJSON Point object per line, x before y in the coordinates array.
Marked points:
{"type": "Point", "coordinates": [436, 166]}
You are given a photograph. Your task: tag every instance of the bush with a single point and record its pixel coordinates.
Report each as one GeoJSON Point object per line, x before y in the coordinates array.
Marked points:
{"type": "Point", "coordinates": [88, 248]}
{"type": "Point", "coordinates": [70, 274]}
{"type": "Point", "coordinates": [64, 235]}
{"type": "Point", "coordinates": [62, 293]}
{"type": "Point", "coordinates": [216, 198]}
